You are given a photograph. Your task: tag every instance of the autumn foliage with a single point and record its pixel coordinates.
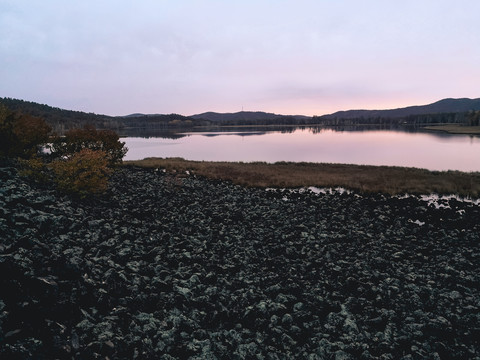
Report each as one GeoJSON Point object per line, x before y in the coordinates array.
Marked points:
{"type": "Point", "coordinates": [79, 163]}
{"type": "Point", "coordinates": [84, 159]}
{"type": "Point", "coordinates": [85, 172]}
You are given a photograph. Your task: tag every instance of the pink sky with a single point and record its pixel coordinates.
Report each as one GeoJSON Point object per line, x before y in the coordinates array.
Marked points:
{"type": "Point", "coordinates": [189, 56]}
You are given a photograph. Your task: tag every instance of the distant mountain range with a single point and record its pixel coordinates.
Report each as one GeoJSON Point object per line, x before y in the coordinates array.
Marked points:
{"type": "Point", "coordinates": [442, 106]}
{"type": "Point", "coordinates": [443, 111]}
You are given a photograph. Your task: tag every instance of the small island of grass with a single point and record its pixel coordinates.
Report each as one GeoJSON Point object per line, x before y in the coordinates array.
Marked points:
{"type": "Point", "coordinates": [455, 129]}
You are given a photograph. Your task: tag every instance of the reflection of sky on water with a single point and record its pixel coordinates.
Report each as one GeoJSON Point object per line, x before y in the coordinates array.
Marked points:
{"type": "Point", "coordinates": [423, 150]}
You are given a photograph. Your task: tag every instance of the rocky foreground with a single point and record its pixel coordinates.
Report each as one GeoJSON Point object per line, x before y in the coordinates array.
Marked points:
{"type": "Point", "coordinates": [166, 267]}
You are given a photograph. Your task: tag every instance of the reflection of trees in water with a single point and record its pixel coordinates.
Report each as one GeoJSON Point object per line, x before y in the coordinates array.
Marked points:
{"type": "Point", "coordinates": [237, 133]}
{"type": "Point", "coordinates": [210, 131]}
{"type": "Point", "coordinates": [373, 127]}
{"type": "Point", "coordinates": [213, 131]}
{"type": "Point", "coordinates": [158, 133]}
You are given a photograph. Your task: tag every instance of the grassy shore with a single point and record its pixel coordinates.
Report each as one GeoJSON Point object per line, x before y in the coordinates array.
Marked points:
{"type": "Point", "coordinates": [367, 179]}
{"type": "Point", "coordinates": [455, 129]}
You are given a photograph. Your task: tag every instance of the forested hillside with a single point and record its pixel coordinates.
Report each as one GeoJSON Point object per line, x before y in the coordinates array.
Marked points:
{"type": "Point", "coordinates": [445, 106]}
{"type": "Point", "coordinates": [61, 120]}
{"type": "Point", "coordinates": [453, 111]}
{"type": "Point", "coordinates": [253, 117]}
{"type": "Point", "coordinates": [463, 118]}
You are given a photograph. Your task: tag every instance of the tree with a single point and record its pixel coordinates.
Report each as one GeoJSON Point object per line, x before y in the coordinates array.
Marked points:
{"type": "Point", "coordinates": [474, 118]}
{"type": "Point", "coordinates": [21, 135]}
{"type": "Point", "coordinates": [31, 133]}
{"type": "Point", "coordinates": [88, 137]}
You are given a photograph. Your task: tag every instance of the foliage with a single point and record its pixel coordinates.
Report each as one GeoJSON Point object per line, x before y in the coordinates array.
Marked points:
{"type": "Point", "coordinates": [30, 132]}
{"type": "Point", "coordinates": [21, 135]}
{"type": "Point", "coordinates": [85, 172]}
{"type": "Point", "coordinates": [35, 169]}
{"type": "Point", "coordinates": [75, 140]}
{"type": "Point", "coordinates": [61, 120]}
{"type": "Point", "coordinates": [82, 160]}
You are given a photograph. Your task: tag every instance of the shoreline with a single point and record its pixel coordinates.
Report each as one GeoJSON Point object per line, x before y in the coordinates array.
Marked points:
{"type": "Point", "coordinates": [389, 180]}
{"type": "Point", "coordinates": [455, 129]}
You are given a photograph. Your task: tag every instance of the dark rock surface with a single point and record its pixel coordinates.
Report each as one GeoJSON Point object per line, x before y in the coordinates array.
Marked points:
{"type": "Point", "coordinates": [168, 267]}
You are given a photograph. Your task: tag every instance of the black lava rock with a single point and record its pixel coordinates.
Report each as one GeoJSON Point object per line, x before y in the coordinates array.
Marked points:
{"type": "Point", "coordinates": [165, 267]}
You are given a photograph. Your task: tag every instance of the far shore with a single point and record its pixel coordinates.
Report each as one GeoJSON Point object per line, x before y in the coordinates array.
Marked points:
{"type": "Point", "coordinates": [445, 128]}
{"type": "Point", "coordinates": [390, 180]}
{"type": "Point", "coordinates": [455, 129]}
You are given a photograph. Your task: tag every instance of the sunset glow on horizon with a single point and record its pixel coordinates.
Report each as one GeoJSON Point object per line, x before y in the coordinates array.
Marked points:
{"type": "Point", "coordinates": [287, 57]}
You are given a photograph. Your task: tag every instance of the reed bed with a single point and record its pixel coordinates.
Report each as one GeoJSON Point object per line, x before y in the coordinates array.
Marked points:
{"type": "Point", "coordinates": [362, 178]}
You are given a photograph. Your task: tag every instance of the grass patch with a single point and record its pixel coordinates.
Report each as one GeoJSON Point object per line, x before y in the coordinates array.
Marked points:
{"type": "Point", "coordinates": [455, 129]}
{"type": "Point", "coordinates": [363, 178]}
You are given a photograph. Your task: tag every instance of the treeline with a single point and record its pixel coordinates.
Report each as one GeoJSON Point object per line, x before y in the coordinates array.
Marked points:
{"type": "Point", "coordinates": [470, 118]}
{"type": "Point", "coordinates": [61, 120]}
{"type": "Point", "coordinates": [157, 122]}
{"type": "Point", "coordinates": [277, 120]}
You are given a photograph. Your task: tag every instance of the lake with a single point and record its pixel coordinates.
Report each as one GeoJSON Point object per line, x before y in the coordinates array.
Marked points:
{"type": "Point", "coordinates": [433, 151]}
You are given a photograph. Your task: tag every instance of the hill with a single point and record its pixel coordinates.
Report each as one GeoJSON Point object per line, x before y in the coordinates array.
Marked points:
{"type": "Point", "coordinates": [246, 116]}
{"type": "Point", "coordinates": [442, 106]}
{"type": "Point", "coordinates": [61, 120]}
{"type": "Point", "coordinates": [440, 112]}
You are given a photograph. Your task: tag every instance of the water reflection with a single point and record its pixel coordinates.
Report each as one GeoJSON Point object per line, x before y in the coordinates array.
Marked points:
{"type": "Point", "coordinates": [178, 133]}
{"type": "Point", "coordinates": [226, 133]}
{"type": "Point", "coordinates": [356, 145]}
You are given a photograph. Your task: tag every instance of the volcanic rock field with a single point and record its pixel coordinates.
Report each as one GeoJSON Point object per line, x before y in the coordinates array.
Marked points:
{"type": "Point", "coordinates": [181, 267]}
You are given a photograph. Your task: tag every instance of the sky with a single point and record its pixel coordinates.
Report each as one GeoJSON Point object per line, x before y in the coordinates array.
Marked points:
{"type": "Point", "coordinates": [308, 57]}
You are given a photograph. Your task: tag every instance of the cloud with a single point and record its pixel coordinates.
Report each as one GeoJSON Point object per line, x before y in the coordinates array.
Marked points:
{"type": "Point", "coordinates": [191, 56]}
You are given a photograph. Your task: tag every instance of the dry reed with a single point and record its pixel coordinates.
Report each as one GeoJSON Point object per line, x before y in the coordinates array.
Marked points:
{"type": "Point", "coordinates": [363, 178]}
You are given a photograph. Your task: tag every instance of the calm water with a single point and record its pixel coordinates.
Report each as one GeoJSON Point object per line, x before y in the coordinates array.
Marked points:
{"type": "Point", "coordinates": [414, 149]}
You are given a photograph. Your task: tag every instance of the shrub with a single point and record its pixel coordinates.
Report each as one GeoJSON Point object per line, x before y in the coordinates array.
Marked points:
{"type": "Point", "coordinates": [35, 169]}
{"type": "Point", "coordinates": [85, 172]}
{"type": "Point", "coordinates": [88, 137]}
{"type": "Point", "coordinates": [82, 160]}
